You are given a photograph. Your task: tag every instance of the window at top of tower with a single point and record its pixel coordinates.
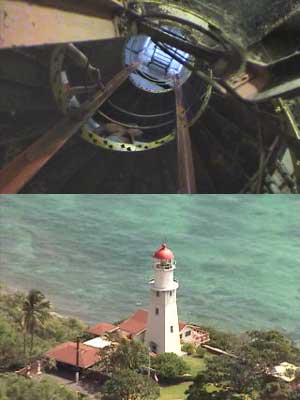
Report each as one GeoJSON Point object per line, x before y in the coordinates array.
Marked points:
{"type": "Point", "coordinates": [157, 68]}
{"type": "Point", "coordinates": [164, 264]}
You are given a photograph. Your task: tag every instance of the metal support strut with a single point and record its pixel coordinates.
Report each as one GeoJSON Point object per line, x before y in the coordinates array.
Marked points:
{"type": "Point", "coordinates": [186, 173]}
{"type": "Point", "coordinates": [19, 171]}
{"type": "Point", "coordinates": [33, 23]}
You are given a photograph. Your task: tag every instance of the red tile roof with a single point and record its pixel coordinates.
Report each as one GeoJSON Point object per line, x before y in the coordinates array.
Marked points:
{"type": "Point", "coordinates": [136, 323]}
{"type": "Point", "coordinates": [102, 328]}
{"type": "Point", "coordinates": [182, 324]}
{"type": "Point", "coordinates": [66, 353]}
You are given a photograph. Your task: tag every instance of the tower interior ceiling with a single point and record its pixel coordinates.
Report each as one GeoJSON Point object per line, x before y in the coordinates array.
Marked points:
{"type": "Point", "coordinates": [247, 21]}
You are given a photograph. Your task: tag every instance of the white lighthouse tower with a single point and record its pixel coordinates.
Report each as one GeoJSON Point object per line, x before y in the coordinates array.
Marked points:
{"type": "Point", "coordinates": [162, 333]}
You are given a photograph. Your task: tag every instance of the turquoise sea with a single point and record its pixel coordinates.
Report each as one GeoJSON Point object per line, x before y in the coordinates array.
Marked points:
{"type": "Point", "coordinates": [238, 256]}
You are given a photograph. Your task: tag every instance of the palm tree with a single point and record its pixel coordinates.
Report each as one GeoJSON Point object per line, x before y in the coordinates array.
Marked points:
{"type": "Point", "coordinates": [36, 310]}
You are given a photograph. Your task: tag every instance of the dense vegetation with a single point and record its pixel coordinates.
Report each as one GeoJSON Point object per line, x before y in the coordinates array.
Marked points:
{"type": "Point", "coordinates": [126, 362]}
{"type": "Point", "coordinates": [13, 387]}
{"type": "Point", "coordinates": [127, 384]}
{"type": "Point", "coordinates": [28, 328]}
{"type": "Point", "coordinates": [243, 377]}
{"type": "Point", "coordinates": [127, 355]}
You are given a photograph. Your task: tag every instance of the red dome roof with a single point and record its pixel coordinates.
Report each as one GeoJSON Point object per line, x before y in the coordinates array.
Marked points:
{"type": "Point", "coordinates": [164, 253]}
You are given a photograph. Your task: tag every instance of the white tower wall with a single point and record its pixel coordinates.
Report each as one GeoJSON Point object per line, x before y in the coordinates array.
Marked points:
{"type": "Point", "coordinates": [163, 279]}
{"type": "Point", "coordinates": [162, 333]}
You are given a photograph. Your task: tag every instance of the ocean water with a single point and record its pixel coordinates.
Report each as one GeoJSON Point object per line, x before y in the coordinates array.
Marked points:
{"type": "Point", "coordinates": [238, 256]}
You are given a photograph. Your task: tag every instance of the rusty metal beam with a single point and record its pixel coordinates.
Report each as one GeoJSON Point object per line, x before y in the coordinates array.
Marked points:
{"type": "Point", "coordinates": [86, 7]}
{"type": "Point", "coordinates": [186, 172]}
{"type": "Point", "coordinates": [25, 23]}
{"type": "Point", "coordinates": [18, 172]}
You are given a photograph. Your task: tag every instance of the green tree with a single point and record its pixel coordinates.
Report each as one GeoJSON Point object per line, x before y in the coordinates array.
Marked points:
{"type": "Point", "coordinates": [169, 366]}
{"type": "Point", "coordinates": [276, 391]}
{"type": "Point", "coordinates": [62, 329]}
{"type": "Point", "coordinates": [36, 311]}
{"type": "Point", "coordinates": [273, 347]}
{"type": "Point", "coordinates": [290, 373]}
{"type": "Point", "coordinates": [195, 392]}
{"type": "Point", "coordinates": [200, 352]}
{"type": "Point", "coordinates": [230, 376]}
{"type": "Point", "coordinates": [297, 374]}
{"type": "Point", "coordinates": [223, 340]}
{"type": "Point", "coordinates": [246, 373]}
{"type": "Point", "coordinates": [294, 395]}
{"type": "Point", "coordinates": [11, 305]}
{"type": "Point", "coordinates": [10, 342]}
{"type": "Point", "coordinates": [126, 355]}
{"type": "Point", "coordinates": [244, 376]}
{"type": "Point", "coordinates": [127, 384]}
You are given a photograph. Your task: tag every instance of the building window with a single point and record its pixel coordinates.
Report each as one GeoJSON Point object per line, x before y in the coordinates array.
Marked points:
{"type": "Point", "coordinates": [157, 294]}
{"type": "Point", "coordinates": [180, 336]}
{"type": "Point", "coordinates": [153, 347]}
{"type": "Point", "coordinates": [156, 311]}
{"type": "Point", "coordinates": [188, 333]}
{"type": "Point", "coordinates": [171, 329]}
{"type": "Point", "coordinates": [171, 293]}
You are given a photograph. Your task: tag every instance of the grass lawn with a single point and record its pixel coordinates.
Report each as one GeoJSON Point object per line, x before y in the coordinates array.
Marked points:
{"type": "Point", "coordinates": [174, 392]}
{"type": "Point", "coordinates": [196, 364]}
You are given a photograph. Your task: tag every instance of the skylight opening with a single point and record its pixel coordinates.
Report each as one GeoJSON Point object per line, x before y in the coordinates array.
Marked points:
{"type": "Point", "coordinates": [154, 56]}
{"type": "Point", "coordinates": [157, 68]}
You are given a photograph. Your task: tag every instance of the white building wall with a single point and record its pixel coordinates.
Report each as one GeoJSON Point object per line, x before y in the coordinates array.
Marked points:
{"type": "Point", "coordinates": [188, 338]}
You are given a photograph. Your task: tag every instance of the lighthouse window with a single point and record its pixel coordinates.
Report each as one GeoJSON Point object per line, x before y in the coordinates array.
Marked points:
{"type": "Point", "coordinates": [171, 329]}
{"type": "Point", "coordinates": [157, 294]}
{"type": "Point", "coordinates": [156, 311]}
{"type": "Point", "coordinates": [171, 293]}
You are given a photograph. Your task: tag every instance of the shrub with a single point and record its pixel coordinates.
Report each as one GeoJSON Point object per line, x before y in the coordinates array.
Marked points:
{"type": "Point", "coordinates": [188, 348]}
{"type": "Point", "coordinates": [169, 366]}
{"type": "Point", "coordinates": [200, 352]}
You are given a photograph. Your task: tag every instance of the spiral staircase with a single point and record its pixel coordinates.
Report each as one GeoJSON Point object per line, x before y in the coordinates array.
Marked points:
{"type": "Point", "coordinates": [236, 147]}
